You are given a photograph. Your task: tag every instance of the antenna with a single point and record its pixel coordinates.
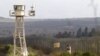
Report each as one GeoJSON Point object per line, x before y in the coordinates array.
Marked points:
{"type": "Point", "coordinates": [94, 6]}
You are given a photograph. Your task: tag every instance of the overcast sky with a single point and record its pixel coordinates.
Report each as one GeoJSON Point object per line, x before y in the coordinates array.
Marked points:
{"type": "Point", "coordinates": [53, 8]}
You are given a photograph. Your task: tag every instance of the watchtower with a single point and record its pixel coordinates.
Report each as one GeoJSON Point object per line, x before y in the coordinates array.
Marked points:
{"type": "Point", "coordinates": [20, 47]}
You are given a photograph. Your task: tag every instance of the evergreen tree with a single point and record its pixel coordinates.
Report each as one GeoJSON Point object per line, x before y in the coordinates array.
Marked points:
{"type": "Point", "coordinates": [65, 34]}
{"type": "Point", "coordinates": [83, 34]}
{"type": "Point", "coordinates": [69, 34]}
{"type": "Point", "coordinates": [86, 32]}
{"type": "Point", "coordinates": [59, 35]}
{"type": "Point", "coordinates": [73, 34]}
{"type": "Point", "coordinates": [92, 32]}
{"type": "Point", "coordinates": [79, 33]}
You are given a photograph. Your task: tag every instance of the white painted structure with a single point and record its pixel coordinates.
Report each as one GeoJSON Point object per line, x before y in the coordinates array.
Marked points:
{"type": "Point", "coordinates": [69, 49]}
{"type": "Point", "coordinates": [20, 47]}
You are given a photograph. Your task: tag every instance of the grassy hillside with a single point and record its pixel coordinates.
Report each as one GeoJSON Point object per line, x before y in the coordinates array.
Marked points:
{"type": "Point", "coordinates": [91, 44]}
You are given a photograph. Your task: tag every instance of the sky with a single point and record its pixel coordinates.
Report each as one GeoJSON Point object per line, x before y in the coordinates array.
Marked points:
{"type": "Point", "coordinates": [52, 8]}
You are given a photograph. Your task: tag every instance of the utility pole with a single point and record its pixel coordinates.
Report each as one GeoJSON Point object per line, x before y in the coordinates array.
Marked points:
{"type": "Point", "coordinates": [20, 47]}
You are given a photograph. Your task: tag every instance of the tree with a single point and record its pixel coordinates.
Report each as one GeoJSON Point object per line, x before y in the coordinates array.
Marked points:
{"type": "Point", "coordinates": [65, 34]}
{"type": "Point", "coordinates": [92, 32]}
{"type": "Point", "coordinates": [59, 35]}
{"type": "Point", "coordinates": [69, 34]}
{"type": "Point", "coordinates": [79, 32]}
{"type": "Point", "coordinates": [83, 34]}
{"type": "Point", "coordinates": [86, 32]}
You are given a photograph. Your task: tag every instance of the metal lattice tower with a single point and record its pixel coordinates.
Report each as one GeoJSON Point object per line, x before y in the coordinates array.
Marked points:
{"type": "Point", "coordinates": [20, 47]}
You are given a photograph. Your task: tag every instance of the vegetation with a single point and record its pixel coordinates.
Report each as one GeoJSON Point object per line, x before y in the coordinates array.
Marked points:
{"type": "Point", "coordinates": [8, 51]}
{"type": "Point", "coordinates": [79, 33]}
{"type": "Point", "coordinates": [62, 53]}
{"type": "Point", "coordinates": [86, 41]}
{"type": "Point", "coordinates": [31, 52]}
